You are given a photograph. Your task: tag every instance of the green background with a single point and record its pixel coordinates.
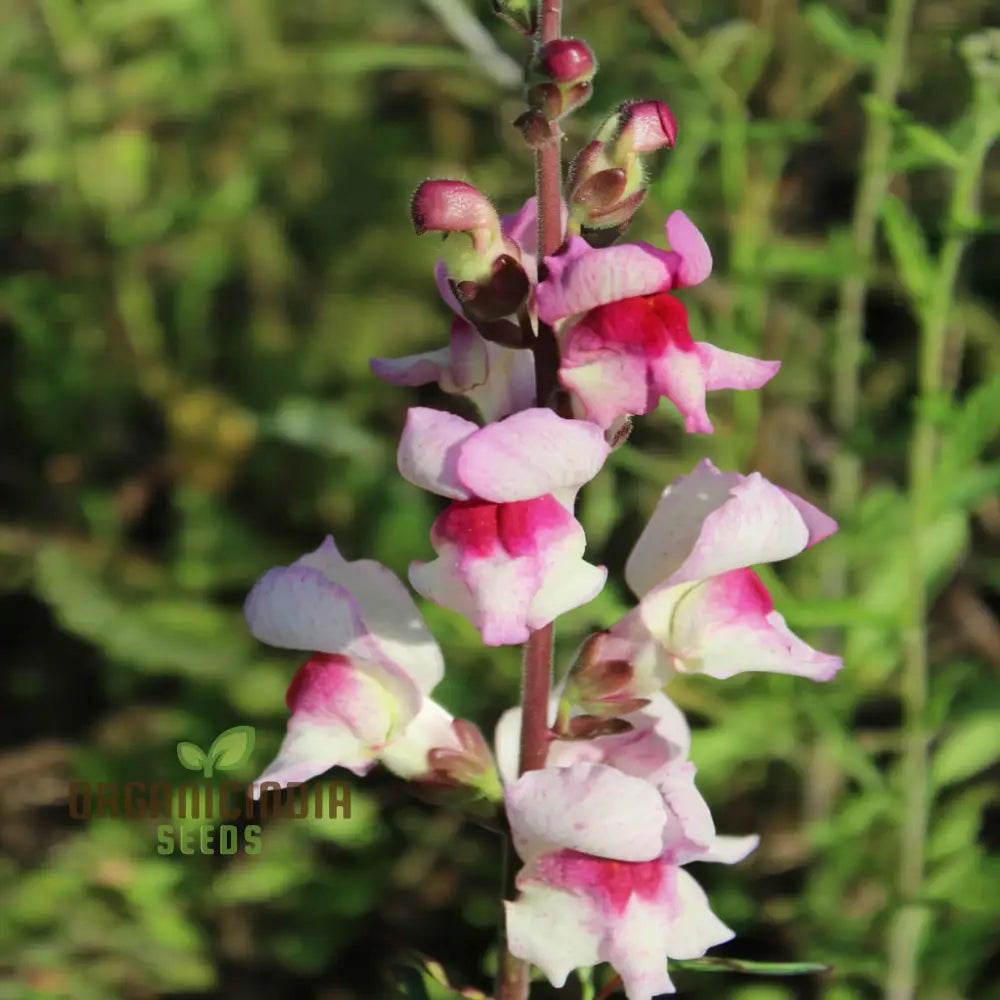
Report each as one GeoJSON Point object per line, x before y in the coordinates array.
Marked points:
{"type": "Point", "coordinates": [204, 236]}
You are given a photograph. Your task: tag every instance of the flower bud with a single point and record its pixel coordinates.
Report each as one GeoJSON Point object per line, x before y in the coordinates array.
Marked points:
{"type": "Point", "coordinates": [606, 179]}
{"type": "Point", "coordinates": [471, 766]}
{"type": "Point", "coordinates": [644, 127]}
{"type": "Point", "coordinates": [535, 128]}
{"type": "Point", "coordinates": [566, 61]}
{"type": "Point", "coordinates": [456, 207]}
{"type": "Point", "coordinates": [559, 77]}
{"type": "Point", "coordinates": [600, 680]}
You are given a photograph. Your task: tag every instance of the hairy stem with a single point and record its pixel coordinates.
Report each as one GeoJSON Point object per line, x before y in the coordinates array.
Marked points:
{"type": "Point", "coordinates": [514, 979]}
{"type": "Point", "coordinates": [909, 924]}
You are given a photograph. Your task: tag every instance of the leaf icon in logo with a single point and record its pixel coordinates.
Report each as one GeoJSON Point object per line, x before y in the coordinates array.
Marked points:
{"type": "Point", "coordinates": [191, 756]}
{"type": "Point", "coordinates": [231, 748]}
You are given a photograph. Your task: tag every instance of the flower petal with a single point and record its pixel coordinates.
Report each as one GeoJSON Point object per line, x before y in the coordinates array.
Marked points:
{"type": "Point", "coordinates": [430, 729]}
{"type": "Point", "coordinates": [297, 607]}
{"type": "Point", "coordinates": [582, 278]}
{"type": "Point", "coordinates": [557, 808]}
{"type": "Point", "coordinates": [389, 613]}
{"type": "Point", "coordinates": [694, 256]}
{"type": "Point", "coordinates": [429, 449]}
{"type": "Point", "coordinates": [416, 369]}
{"type": "Point", "coordinates": [710, 522]}
{"type": "Point", "coordinates": [727, 625]}
{"type": "Point", "coordinates": [530, 454]}
{"type": "Point", "coordinates": [343, 712]}
{"type": "Point", "coordinates": [549, 928]}
{"type": "Point", "coordinates": [726, 370]}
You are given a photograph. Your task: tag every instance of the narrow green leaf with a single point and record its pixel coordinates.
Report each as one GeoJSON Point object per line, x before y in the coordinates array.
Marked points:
{"type": "Point", "coordinates": [908, 246]}
{"type": "Point", "coordinates": [232, 748]}
{"type": "Point", "coordinates": [191, 755]}
{"type": "Point", "coordinates": [749, 968]}
{"type": "Point", "coordinates": [932, 144]}
{"type": "Point", "coordinates": [835, 33]}
{"type": "Point", "coordinates": [971, 748]}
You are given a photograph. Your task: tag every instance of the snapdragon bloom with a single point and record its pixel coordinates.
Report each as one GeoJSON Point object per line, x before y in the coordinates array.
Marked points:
{"type": "Point", "coordinates": [701, 609]}
{"type": "Point", "coordinates": [624, 338]}
{"type": "Point", "coordinates": [363, 696]}
{"type": "Point", "coordinates": [509, 549]}
{"type": "Point", "coordinates": [499, 380]}
{"type": "Point", "coordinates": [603, 831]}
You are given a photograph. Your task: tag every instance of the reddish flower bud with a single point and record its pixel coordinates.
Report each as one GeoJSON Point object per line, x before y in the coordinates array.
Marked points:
{"type": "Point", "coordinates": [566, 61]}
{"type": "Point", "coordinates": [455, 207]}
{"type": "Point", "coordinates": [471, 766]}
{"type": "Point", "coordinates": [535, 128]}
{"type": "Point", "coordinates": [645, 126]}
{"type": "Point", "coordinates": [602, 191]}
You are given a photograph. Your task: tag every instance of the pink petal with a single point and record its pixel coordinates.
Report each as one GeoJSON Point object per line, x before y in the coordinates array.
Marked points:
{"type": "Point", "coordinates": [417, 369]}
{"type": "Point", "coordinates": [725, 370]}
{"type": "Point", "coordinates": [429, 449]}
{"type": "Point", "coordinates": [695, 257]}
{"type": "Point", "coordinates": [297, 607]}
{"type": "Point", "coordinates": [343, 712]}
{"type": "Point", "coordinates": [557, 808]}
{"type": "Point", "coordinates": [390, 617]}
{"type": "Point", "coordinates": [583, 278]}
{"type": "Point", "coordinates": [727, 625]}
{"type": "Point", "coordinates": [609, 385]}
{"type": "Point", "coordinates": [677, 374]}
{"type": "Point", "coordinates": [818, 524]}
{"type": "Point", "coordinates": [549, 928]}
{"type": "Point", "coordinates": [710, 522]}
{"type": "Point", "coordinates": [530, 454]}
{"type": "Point", "coordinates": [406, 755]}
{"type": "Point", "coordinates": [469, 355]}
{"type": "Point", "coordinates": [729, 850]}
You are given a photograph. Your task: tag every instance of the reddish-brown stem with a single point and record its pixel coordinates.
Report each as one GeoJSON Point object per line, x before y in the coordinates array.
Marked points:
{"type": "Point", "coordinates": [514, 979]}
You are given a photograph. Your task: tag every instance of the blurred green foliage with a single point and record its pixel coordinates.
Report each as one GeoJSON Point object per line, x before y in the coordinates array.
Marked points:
{"type": "Point", "coordinates": [204, 236]}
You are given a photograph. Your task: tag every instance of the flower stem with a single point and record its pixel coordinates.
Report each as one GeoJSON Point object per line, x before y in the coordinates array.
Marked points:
{"type": "Point", "coordinates": [514, 977]}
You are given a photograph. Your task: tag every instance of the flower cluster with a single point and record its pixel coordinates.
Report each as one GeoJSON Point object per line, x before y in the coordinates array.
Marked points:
{"type": "Point", "coordinates": [606, 828]}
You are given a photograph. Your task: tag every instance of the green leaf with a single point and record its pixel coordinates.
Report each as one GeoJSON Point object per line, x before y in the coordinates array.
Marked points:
{"type": "Point", "coordinates": [934, 146]}
{"type": "Point", "coordinates": [908, 246]}
{"type": "Point", "coordinates": [971, 748]}
{"type": "Point", "coordinates": [191, 755]}
{"type": "Point", "coordinates": [835, 33]}
{"type": "Point", "coordinates": [749, 968]}
{"type": "Point", "coordinates": [232, 748]}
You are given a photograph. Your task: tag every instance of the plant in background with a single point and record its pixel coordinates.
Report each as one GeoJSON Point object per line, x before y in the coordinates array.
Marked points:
{"type": "Point", "coordinates": [560, 336]}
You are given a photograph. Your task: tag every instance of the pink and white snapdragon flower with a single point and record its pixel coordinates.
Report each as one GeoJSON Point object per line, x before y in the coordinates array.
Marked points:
{"type": "Point", "coordinates": [624, 338]}
{"type": "Point", "coordinates": [510, 552]}
{"type": "Point", "coordinates": [362, 697]}
{"type": "Point", "coordinates": [701, 608]}
{"type": "Point", "coordinates": [603, 831]}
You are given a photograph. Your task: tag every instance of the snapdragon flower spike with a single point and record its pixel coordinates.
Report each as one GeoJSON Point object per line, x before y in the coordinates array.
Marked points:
{"type": "Point", "coordinates": [701, 609]}
{"type": "Point", "coordinates": [625, 340]}
{"type": "Point", "coordinates": [509, 549]}
{"type": "Point", "coordinates": [598, 885]}
{"type": "Point", "coordinates": [498, 380]}
{"type": "Point", "coordinates": [363, 696]}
